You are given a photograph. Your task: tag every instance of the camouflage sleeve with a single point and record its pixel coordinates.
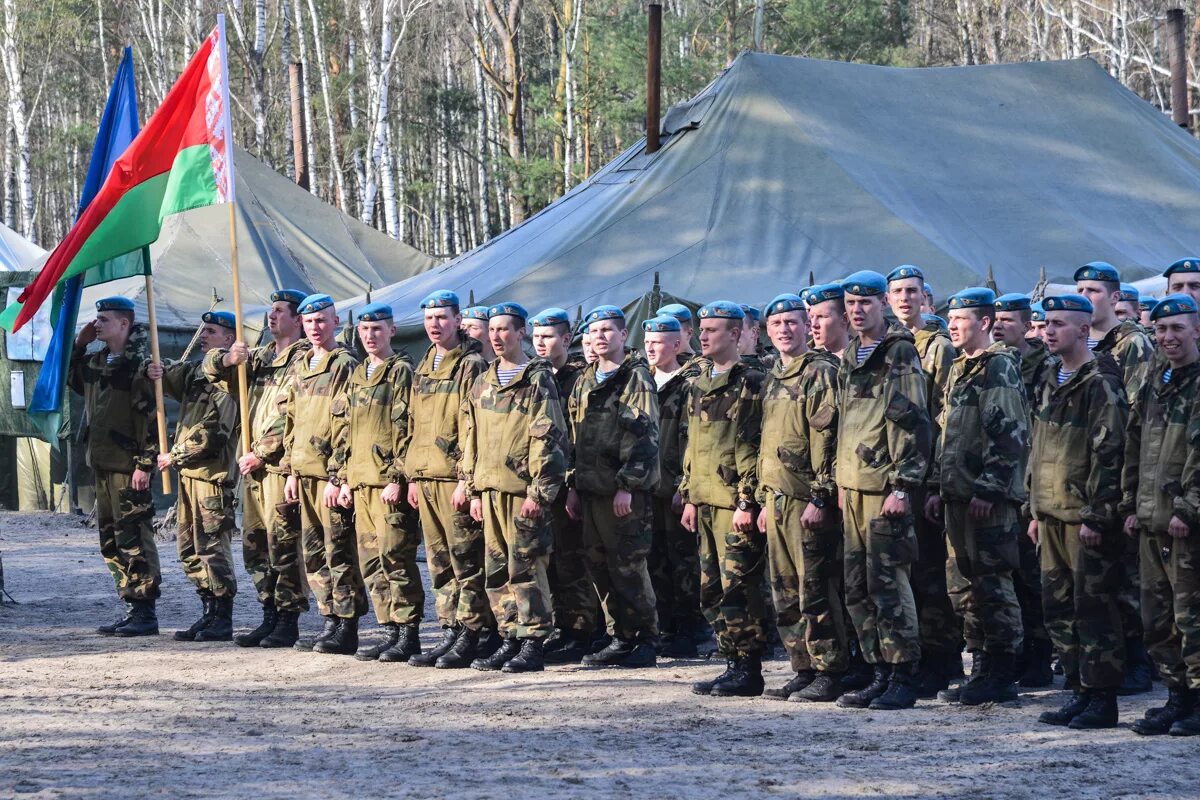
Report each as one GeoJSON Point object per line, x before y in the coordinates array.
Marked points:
{"type": "Point", "coordinates": [939, 361]}
{"type": "Point", "coordinates": [1137, 362]}
{"type": "Point", "coordinates": [472, 368]}
{"type": "Point", "coordinates": [217, 373]}
{"type": "Point", "coordinates": [281, 434]}
{"type": "Point", "coordinates": [400, 418]}
{"type": "Point", "coordinates": [467, 431]}
{"type": "Point", "coordinates": [1109, 413]}
{"type": "Point", "coordinates": [1131, 465]}
{"type": "Point", "coordinates": [821, 405]}
{"type": "Point", "coordinates": [685, 415]}
{"type": "Point", "coordinates": [1187, 505]}
{"type": "Point", "coordinates": [748, 436]}
{"type": "Point", "coordinates": [145, 421]}
{"type": "Point", "coordinates": [176, 377]}
{"type": "Point", "coordinates": [76, 368]}
{"type": "Point", "coordinates": [1004, 415]}
{"type": "Point", "coordinates": [339, 437]}
{"type": "Point", "coordinates": [638, 418]}
{"type": "Point", "coordinates": [908, 427]}
{"type": "Point", "coordinates": [547, 429]}
{"type": "Point", "coordinates": [209, 436]}
{"type": "Point", "coordinates": [570, 407]}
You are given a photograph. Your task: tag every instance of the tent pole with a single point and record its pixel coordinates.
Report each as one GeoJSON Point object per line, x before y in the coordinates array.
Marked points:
{"type": "Point", "coordinates": [160, 413]}
{"type": "Point", "coordinates": [243, 394]}
{"type": "Point", "coordinates": [299, 135]}
{"type": "Point", "coordinates": [653, 76]}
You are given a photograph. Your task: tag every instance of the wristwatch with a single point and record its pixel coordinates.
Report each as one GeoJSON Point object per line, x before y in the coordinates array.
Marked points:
{"type": "Point", "coordinates": [899, 494]}
{"type": "Point", "coordinates": [744, 505]}
{"type": "Point", "coordinates": [817, 502]}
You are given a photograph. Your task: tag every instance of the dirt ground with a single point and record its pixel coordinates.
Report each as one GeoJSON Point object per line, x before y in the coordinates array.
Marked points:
{"type": "Point", "coordinates": [83, 715]}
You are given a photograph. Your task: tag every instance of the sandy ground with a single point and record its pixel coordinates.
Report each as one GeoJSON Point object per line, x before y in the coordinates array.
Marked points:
{"type": "Point", "coordinates": [83, 715]}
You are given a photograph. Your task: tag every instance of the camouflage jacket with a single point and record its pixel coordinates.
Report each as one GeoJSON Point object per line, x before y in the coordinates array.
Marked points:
{"type": "Point", "coordinates": [308, 424]}
{"type": "Point", "coordinates": [937, 355]}
{"type": "Point", "coordinates": [206, 433]}
{"type": "Point", "coordinates": [984, 437]}
{"type": "Point", "coordinates": [513, 435]}
{"type": "Point", "coordinates": [266, 374]}
{"type": "Point", "coordinates": [437, 401]}
{"type": "Point", "coordinates": [1033, 369]}
{"type": "Point", "coordinates": [672, 426]}
{"type": "Point", "coordinates": [799, 420]}
{"type": "Point", "coordinates": [371, 425]}
{"type": "Point", "coordinates": [1134, 353]}
{"type": "Point", "coordinates": [1074, 470]}
{"type": "Point", "coordinates": [118, 400]}
{"type": "Point", "coordinates": [724, 419]}
{"type": "Point", "coordinates": [884, 430]}
{"type": "Point", "coordinates": [614, 427]}
{"type": "Point", "coordinates": [1161, 474]}
{"type": "Point", "coordinates": [566, 375]}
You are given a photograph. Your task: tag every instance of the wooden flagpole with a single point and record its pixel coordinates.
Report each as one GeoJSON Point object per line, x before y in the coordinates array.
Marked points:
{"type": "Point", "coordinates": [159, 412]}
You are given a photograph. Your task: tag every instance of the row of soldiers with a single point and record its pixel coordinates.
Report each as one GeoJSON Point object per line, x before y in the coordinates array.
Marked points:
{"type": "Point", "coordinates": [878, 471]}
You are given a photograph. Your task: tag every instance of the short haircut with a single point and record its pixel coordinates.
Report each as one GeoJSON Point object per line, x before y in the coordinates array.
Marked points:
{"type": "Point", "coordinates": [121, 313]}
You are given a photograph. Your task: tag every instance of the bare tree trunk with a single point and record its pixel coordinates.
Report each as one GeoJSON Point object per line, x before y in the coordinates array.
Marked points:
{"type": "Point", "coordinates": [482, 155]}
{"type": "Point", "coordinates": [508, 80]}
{"type": "Point", "coordinates": [331, 127]}
{"type": "Point", "coordinates": [17, 116]}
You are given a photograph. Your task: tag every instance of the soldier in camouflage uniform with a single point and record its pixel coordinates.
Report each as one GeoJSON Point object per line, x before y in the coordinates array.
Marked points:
{"type": "Point", "coordinates": [475, 325]}
{"type": "Point", "coordinates": [798, 500]}
{"type": "Point", "coordinates": [454, 548]}
{"type": "Point", "coordinates": [270, 527]}
{"type": "Point", "coordinates": [612, 420]}
{"type": "Point", "coordinates": [576, 607]}
{"type": "Point", "coordinates": [121, 447]}
{"type": "Point", "coordinates": [941, 627]}
{"type": "Point", "coordinates": [719, 490]}
{"type": "Point", "coordinates": [204, 451]}
{"type": "Point", "coordinates": [883, 455]}
{"type": "Point", "coordinates": [977, 487]}
{"type": "Point", "coordinates": [1074, 491]}
{"type": "Point", "coordinates": [1134, 353]}
{"type": "Point", "coordinates": [827, 318]}
{"type": "Point", "coordinates": [1161, 501]}
{"type": "Point", "coordinates": [1037, 321]}
{"type": "Point", "coordinates": [1183, 277]}
{"type": "Point", "coordinates": [370, 436]}
{"type": "Point", "coordinates": [1128, 305]}
{"type": "Point", "coordinates": [330, 552]}
{"type": "Point", "coordinates": [514, 465]}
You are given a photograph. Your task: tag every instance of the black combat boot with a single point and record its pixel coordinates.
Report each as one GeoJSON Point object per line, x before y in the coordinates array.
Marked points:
{"type": "Point", "coordinates": [1101, 711]}
{"type": "Point", "coordinates": [1074, 706]}
{"type": "Point", "coordinates": [706, 687]}
{"type": "Point", "coordinates": [111, 628]}
{"type": "Point", "coordinates": [799, 681]}
{"type": "Point", "coordinates": [220, 625]}
{"type": "Point", "coordinates": [859, 673]}
{"type": "Point", "coordinates": [529, 659]}
{"type": "Point", "coordinates": [1037, 673]}
{"type": "Point", "coordinates": [406, 646]}
{"type": "Point", "coordinates": [286, 631]}
{"type": "Point", "coordinates": [1159, 720]}
{"type": "Point", "coordinates": [680, 645]}
{"type": "Point", "coordinates": [464, 652]}
{"type": "Point", "coordinates": [612, 655]}
{"type": "Point", "coordinates": [642, 656]}
{"type": "Point", "coordinates": [997, 686]}
{"type": "Point", "coordinates": [934, 674]}
{"type": "Point", "coordinates": [332, 623]}
{"type": "Point", "coordinates": [825, 688]}
{"type": "Point", "coordinates": [1188, 726]}
{"type": "Point", "coordinates": [498, 659]}
{"type": "Point", "coordinates": [862, 698]}
{"type": "Point", "coordinates": [429, 657]}
{"type": "Point", "coordinates": [344, 641]}
{"type": "Point", "coordinates": [143, 621]}
{"type": "Point", "coordinates": [391, 632]}
{"type": "Point", "coordinates": [206, 613]}
{"type": "Point", "coordinates": [490, 641]}
{"type": "Point", "coordinates": [570, 648]}
{"type": "Point", "coordinates": [979, 670]}
{"type": "Point", "coordinates": [254, 638]}
{"type": "Point", "coordinates": [1139, 672]}
{"type": "Point", "coordinates": [746, 680]}
{"type": "Point", "coordinates": [901, 690]}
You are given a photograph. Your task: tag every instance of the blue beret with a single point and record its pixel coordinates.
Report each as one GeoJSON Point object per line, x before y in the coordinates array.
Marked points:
{"type": "Point", "coordinates": [550, 316]}
{"type": "Point", "coordinates": [225, 319]}
{"type": "Point", "coordinates": [1038, 312]}
{"type": "Point", "coordinates": [664, 323]}
{"type": "Point", "coordinates": [375, 312]}
{"type": "Point", "coordinates": [1097, 271]}
{"type": "Point", "coordinates": [314, 303]}
{"type": "Point", "coordinates": [1173, 305]}
{"type": "Point", "coordinates": [293, 296]}
{"type": "Point", "coordinates": [677, 310]}
{"type": "Point", "coordinates": [929, 290]}
{"type": "Point", "coordinates": [476, 312]}
{"type": "Point", "coordinates": [822, 292]}
{"type": "Point", "coordinates": [1068, 302]}
{"type": "Point", "coordinates": [1147, 303]}
{"type": "Point", "coordinates": [906, 271]}
{"type": "Point", "coordinates": [114, 304]}
{"type": "Point", "coordinates": [865, 284]}
{"type": "Point", "coordinates": [751, 312]}
{"type": "Point", "coordinates": [975, 297]}
{"type": "Point", "coordinates": [442, 298]}
{"type": "Point", "coordinates": [583, 327]}
{"type": "Point", "coordinates": [604, 312]}
{"type": "Point", "coordinates": [784, 303]}
{"type": "Point", "coordinates": [722, 309]}
{"type": "Point", "coordinates": [934, 319]}
{"type": "Point", "coordinates": [1013, 301]}
{"type": "Point", "coordinates": [1184, 265]}
{"type": "Point", "coordinates": [508, 310]}
{"type": "Point", "coordinates": [1129, 293]}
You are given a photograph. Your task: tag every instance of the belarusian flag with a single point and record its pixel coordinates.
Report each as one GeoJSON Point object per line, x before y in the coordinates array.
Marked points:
{"type": "Point", "coordinates": [182, 159]}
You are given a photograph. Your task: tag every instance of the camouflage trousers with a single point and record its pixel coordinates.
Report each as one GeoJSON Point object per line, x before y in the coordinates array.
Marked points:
{"type": "Point", "coordinates": [576, 607]}
{"type": "Point", "coordinates": [1080, 585]}
{"type": "Point", "coordinates": [202, 536]}
{"type": "Point", "coordinates": [1129, 598]}
{"type": "Point", "coordinates": [981, 557]}
{"type": "Point", "coordinates": [387, 556]}
{"type": "Point", "coordinates": [284, 578]}
{"type": "Point", "coordinates": [330, 554]}
{"type": "Point", "coordinates": [805, 568]}
{"type": "Point", "coordinates": [454, 554]}
{"type": "Point", "coordinates": [940, 625]}
{"type": "Point", "coordinates": [674, 564]}
{"type": "Point", "coordinates": [1170, 580]}
{"type": "Point", "coordinates": [1027, 583]}
{"type": "Point", "coordinates": [616, 549]}
{"type": "Point", "coordinates": [732, 564]}
{"type": "Point", "coordinates": [255, 552]}
{"type": "Point", "coordinates": [879, 553]}
{"type": "Point", "coordinates": [127, 545]}
{"type": "Point", "coordinates": [515, 561]}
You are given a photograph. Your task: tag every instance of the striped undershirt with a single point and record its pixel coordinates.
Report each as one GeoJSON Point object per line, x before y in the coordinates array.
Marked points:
{"type": "Point", "coordinates": [110, 357]}
{"type": "Point", "coordinates": [865, 350]}
{"type": "Point", "coordinates": [506, 375]}
{"type": "Point", "coordinates": [1092, 343]}
{"type": "Point", "coordinates": [437, 359]}
{"type": "Point", "coordinates": [601, 377]}
{"type": "Point", "coordinates": [1167, 375]}
{"type": "Point", "coordinates": [1064, 376]}
{"type": "Point", "coordinates": [371, 367]}
{"type": "Point", "coordinates": [312, 362]}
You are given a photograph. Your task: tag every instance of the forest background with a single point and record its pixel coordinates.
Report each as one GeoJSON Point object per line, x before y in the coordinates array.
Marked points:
{"type": "Point", "coordinates": [444, 122]}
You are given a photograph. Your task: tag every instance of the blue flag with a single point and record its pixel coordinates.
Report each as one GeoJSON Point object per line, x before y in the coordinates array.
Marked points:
{"type": "Point", "coordinates": [118, 127]}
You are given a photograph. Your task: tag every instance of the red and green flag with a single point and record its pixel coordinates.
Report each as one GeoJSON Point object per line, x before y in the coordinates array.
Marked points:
{"type": "Point", "coordinates": [182, 159]}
